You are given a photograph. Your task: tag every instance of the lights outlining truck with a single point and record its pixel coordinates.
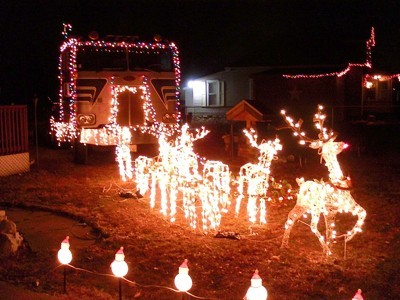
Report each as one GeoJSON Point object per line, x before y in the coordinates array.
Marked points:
{"type": "Point", "coordinates": [114, 83]}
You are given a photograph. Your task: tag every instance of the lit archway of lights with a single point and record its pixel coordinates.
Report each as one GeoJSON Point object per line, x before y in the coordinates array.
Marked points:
{"type": "Point", "coordinates": [114, 134]}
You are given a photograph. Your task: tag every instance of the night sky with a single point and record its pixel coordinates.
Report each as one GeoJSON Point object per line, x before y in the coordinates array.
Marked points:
{"type": "Point", "coordinates": [210, 34]}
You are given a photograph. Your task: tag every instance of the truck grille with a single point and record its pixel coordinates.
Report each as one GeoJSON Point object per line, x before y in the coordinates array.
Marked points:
{"type": "Point", "coordinates": [130, 109]}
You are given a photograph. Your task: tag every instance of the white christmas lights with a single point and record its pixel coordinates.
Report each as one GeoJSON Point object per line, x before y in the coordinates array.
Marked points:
{"type": "Point", "coordinates": [174, 174]}
{"type": "Point", "coordinates": [214, 193]}
{"type": "Point", "coordinates": [254, 178]}
{"type": "Point", "coordinates": [327, 198]}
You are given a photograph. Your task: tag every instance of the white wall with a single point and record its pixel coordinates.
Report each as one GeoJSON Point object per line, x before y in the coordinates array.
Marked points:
{"type": "Point", "coordinates": [237, 84]}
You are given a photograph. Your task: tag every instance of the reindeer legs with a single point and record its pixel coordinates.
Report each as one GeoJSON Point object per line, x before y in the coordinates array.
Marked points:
{"type": "Point", "coordinates": [330, 226]}
{"type": "Point", "coordinates": [293, 216]}
{"type": "Point", "coordinates": [314, 229]}
{"type": "Point", "coordinates": [361, 213]}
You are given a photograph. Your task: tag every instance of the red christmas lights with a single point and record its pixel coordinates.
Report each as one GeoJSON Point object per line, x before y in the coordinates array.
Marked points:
{"type": "Point", "coordinates": [368, 64]}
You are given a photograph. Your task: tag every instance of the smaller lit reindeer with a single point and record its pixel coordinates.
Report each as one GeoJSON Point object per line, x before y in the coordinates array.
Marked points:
{"type": "Point", "coordinates": [254, 178]}
{"type": "Point", "coordinates": [172, 171]}
{"type": "Point", "coordinates": [327, 198]}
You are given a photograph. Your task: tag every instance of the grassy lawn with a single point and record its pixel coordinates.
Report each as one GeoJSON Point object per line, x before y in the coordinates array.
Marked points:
{"type": "Point", "coordinates": [220, 268]}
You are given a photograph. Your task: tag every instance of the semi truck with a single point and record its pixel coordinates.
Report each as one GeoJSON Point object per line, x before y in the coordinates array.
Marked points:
{"type": "Point", "coordinates": [113, 85]}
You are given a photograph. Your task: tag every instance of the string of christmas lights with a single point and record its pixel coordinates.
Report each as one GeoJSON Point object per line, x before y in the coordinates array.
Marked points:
{"type": "Point", "coordinates": [135, 283]}
{"type": "Point", "coordinates": [182, 280]}
{"type": "Point", "coordinates": [370, 44]}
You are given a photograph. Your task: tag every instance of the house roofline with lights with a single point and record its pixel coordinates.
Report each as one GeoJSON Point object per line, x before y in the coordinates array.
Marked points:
{"type": "Point", "coordinates": [354, 89]}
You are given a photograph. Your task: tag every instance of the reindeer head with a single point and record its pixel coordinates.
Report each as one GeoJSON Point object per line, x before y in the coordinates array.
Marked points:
{"type": "Point", "coordinates": [325, 144]}
{"type": "Point", "coordinates": [329, 149]}
{"type": "Point", "coordinates": [268, 149]}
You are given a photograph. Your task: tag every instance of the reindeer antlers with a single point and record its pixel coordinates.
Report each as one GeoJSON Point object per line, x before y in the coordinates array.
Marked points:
{"type": "Point", "coordinates": [319, 119]}
{"type": "Point", "coordinates": [296, 128]}
{"type": "Point", "coordinates": [252, 136]}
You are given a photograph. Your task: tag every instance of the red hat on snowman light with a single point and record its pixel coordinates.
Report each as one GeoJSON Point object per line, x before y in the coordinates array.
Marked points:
{"type": "Point", "coordinates": [65, 243]}
{"type": "Point", "coordinates": [358, 295]}
{"type": "Point", "coordinates": [256, 290]}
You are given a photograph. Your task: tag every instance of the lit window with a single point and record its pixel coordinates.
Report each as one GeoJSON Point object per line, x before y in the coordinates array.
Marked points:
{"type": "Point", "coordinates": [215, 93]}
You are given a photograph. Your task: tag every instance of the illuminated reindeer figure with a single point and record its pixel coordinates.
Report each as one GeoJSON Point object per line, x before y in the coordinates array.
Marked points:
{"type": "Point", "coordinates": [256, 176]}
{"type": "Point", "coordinates": [172, 171]}
{"type": "Point", "coordinates": [214, 193]}
{"type": "Point", "coordinates": [327, 198]}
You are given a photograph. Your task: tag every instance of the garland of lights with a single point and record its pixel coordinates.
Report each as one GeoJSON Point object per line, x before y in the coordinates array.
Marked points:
{"type": "Point", "coordinates": [256, 177]}
{"type": "Point", "coordinates": [370, 43]}
{"type": "Point", "coordinates": [183, 282]}
{"type": "Point", "coordinates": [318, 197]}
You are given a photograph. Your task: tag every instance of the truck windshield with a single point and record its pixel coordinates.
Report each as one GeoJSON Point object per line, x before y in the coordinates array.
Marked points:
{"type": "Point", "coordinates": [157, 61]}
{"type": "Point", "coordinates": [89, 59]}
{"type": "Point", "coordinates": [98, 60]}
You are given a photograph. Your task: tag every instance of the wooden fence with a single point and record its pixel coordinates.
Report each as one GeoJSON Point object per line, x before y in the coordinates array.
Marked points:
{"type": "Point", "coordinates": [13, 129]}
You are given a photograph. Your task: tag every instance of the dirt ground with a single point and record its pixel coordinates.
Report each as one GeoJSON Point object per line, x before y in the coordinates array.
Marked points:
{"type": "Point", "coordinates": [221, 268]}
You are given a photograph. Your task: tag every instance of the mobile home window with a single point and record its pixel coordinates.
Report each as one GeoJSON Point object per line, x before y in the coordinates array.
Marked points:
{"type": "Point", "coordinates": [215, 95]}
{"type": "Point", "coordinates": [384, 91]}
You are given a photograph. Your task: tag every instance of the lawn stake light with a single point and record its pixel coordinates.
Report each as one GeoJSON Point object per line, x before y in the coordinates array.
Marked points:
{"type": "Point", "coordinates": [358, 295]}
{"type": "Point", "coordinates": [256, 177]}
{"type": "Point", "coordinates": [183, 282]}
{"type": "Point", "coordinates": [328, 198]}
{"type": "Point", "coordinates": [120, 268]}
{"type": "Point", "coordinates": [256, 290]}
{"type": "Point", "coordinates": [65, 257]}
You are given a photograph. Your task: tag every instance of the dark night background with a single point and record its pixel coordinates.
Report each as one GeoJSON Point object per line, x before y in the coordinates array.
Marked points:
{"type": "Point", "coordinates": [209, 34]}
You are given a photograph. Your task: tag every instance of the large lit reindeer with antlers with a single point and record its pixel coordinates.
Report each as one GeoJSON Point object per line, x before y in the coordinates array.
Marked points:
{"type": "Point", "coordinates": [327, 198]}
{"type": "Point", "coordinates": [254, 178]}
